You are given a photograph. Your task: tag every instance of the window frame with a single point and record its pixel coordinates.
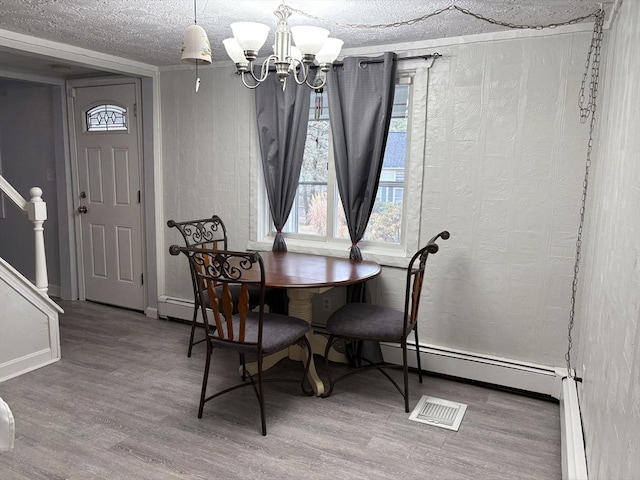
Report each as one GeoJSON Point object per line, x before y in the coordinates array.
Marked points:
{"type": "Point", "coordinates": [86, 127]}
{"type": "Point", "coordinates": [261, 229]}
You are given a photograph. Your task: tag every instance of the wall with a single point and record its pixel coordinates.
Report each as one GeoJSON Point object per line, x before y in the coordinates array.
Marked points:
{"type": "Point", "coordinates": [505, 153]}
{"type": "Point", "coordinates": [608, 311]}
{"type": "Point", "coordinates": [28, 160]}
{"type": "Point", "coordinates": [503, 166]}
{"type": "Point", "coordinates": [206, 143]}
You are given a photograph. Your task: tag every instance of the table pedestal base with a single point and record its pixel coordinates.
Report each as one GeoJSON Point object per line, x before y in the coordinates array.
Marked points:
{"type": "Point", "coordinates": [300, 306]}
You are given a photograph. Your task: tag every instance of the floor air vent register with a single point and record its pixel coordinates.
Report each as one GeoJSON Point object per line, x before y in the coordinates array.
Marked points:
{"type": "Point", "coordinates": [438, 412]}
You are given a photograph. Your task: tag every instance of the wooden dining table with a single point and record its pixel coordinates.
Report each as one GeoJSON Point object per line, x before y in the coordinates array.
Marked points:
{"type": "Point", "coordinates": [305, 275]}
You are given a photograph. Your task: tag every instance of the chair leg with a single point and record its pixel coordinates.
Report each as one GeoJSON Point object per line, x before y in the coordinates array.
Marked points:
{"type": "Point", "coordinates": [244, 366]}
{"type": "Point", "coordinates": [330, 343]}
{"type": "Point", "coordinates": [261, 396]}
{"type": "Point", "coordinates": [193, 326]}
{"type": "Point", "coordinates": [358, 359]}
{"type": "Point", "coordinates": [415, 330]}
{"type": "Point", "coordinates": [205, 379]}
{"type": "Point", "coordinates": [405, 371]}
{"type": "Point", "coordinates": [307, 345]}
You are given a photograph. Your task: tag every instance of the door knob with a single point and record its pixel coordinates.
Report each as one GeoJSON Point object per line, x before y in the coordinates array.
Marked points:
{"type": "Point", "coordinates": [82, 209]}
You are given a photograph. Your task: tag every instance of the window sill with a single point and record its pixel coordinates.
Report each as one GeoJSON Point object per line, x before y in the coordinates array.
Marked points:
{"type": "Point", "coordinates": [389, 256]}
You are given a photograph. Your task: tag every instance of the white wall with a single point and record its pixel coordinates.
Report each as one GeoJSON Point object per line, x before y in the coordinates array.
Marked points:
{"type": "Point", "coordinates": [28, 160]}
{"type": "Point", "coordinates": [503, 175]}
{"type": "Point", "coordinates": [205, 158]}
{"type": "Point", "coordinates": [505, 153]}
{"type": "Point", "coordinates": [609, 297]}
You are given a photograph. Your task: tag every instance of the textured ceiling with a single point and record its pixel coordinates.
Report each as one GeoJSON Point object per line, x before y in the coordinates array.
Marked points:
{"type": "Point", "coordinates": [150, 31]}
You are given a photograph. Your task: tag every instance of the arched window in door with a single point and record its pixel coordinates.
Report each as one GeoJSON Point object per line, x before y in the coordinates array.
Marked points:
{"type": "Point", "coordinates": [106, 118]}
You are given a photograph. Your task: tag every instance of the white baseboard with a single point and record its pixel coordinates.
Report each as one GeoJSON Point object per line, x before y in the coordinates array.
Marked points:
{"type": "Point", "coordinates": [54, 291]}
{"type": "Point", "coordinates": [19, 366]}
{"type": "Point", "coordinates": [176, 308]}
{"type": "Point", "coordinates": [574, 460]}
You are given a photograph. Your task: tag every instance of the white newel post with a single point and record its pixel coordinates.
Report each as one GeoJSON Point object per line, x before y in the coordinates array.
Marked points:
{"type": "Point", "coordinates": [37, 211]}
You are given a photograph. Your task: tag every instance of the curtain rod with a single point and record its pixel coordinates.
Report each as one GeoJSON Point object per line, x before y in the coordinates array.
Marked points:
{"type": "Point", "coordinates": [379, 60]}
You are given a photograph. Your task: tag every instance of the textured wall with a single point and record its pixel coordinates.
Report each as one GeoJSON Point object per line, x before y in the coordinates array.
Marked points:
{"type": "Point", "coordinates": [28, 155]}
{"type": "Point", "coordinates": [503, 166]}
{"type": "Point", "coordinates": [609, 297]}
{"type": "Point", "coordinates": [205, 150]}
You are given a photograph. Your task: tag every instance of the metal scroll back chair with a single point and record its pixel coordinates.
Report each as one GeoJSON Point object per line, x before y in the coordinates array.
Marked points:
{"type": "Point", "coordinates": [204, 233]}
{"type": "Point", "coordinates": [233, 324]}
{"type": "Point", "coordinates": [211, 233]}
{"type": "Point", "coordinates": [364, 321]}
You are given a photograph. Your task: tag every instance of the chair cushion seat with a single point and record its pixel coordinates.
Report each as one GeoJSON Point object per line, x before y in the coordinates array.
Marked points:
{"type": "Point", "coordinates": [278, 332]}
{"type": "Point", "coordinates": [364, 321]}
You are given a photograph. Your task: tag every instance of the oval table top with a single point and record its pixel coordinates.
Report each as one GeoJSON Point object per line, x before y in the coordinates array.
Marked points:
{"type": "Point", "coordinates": [303, 270]}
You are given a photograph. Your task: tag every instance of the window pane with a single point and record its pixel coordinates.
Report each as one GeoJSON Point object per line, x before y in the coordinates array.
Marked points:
{"type": "Point", "coordinates": [309, 214]}
{"type": "Point", "coordinates": [385, 224]}
{"type": "Point", "coordinates": [309, 211]}
{"type": "Point", "coordinates": [103, 118]}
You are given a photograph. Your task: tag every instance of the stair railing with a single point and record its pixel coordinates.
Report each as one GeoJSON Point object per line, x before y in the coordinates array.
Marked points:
{"type": "Point", "coordinates": [36, 210]}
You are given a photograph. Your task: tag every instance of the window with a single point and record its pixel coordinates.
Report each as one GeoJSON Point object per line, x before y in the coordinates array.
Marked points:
{"type": "Point", "coordinates": [317, 211]}
{"type": "Point", "coordinates": [106, 118]}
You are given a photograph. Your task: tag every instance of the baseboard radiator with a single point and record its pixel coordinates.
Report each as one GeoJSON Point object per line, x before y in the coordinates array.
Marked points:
{"type": "Point", "coordinates": [574, 461]}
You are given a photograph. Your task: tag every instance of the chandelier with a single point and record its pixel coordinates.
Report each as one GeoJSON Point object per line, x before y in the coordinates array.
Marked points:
{"type": "Point", "coordinates": [311, 44]}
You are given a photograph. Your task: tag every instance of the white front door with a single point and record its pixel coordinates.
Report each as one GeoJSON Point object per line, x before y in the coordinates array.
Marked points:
{"type": "Point", "coordinates": [110, 210]}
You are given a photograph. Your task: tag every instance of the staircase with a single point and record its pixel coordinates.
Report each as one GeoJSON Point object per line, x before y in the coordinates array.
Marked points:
{"type": "Point", "coordinates": [29, 329]}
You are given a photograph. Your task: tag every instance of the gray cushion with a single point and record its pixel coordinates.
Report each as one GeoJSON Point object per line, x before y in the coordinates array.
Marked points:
{"type": "Point", "coordinates": [367, 322]}
{"type": "Point", "coordinates": [278, 332]}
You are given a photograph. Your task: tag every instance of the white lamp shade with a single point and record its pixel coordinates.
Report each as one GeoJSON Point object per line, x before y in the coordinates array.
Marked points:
{"type": "Point", "coordinates": [234, 50]}
{"type": "Point", "coordinates": [329, 51]}
{"type": "Point", "coordinates": [309, 39]}
{"type": "Point", "coordinates": [250, 35]}
{"type": "Point", "coordinates": [296, 54]}
{"type": "Point", "coordinates": [195, 45]}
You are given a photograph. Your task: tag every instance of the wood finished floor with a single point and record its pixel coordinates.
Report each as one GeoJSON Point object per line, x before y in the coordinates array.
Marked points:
{"type": "Point", "coordinates": [122, 404]}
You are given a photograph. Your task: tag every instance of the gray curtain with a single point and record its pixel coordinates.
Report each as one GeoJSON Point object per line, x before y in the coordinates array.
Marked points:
{"type": "Point", "coordinates": [360, 105]}
{"type": "Point", "coordinates": [282, 129]}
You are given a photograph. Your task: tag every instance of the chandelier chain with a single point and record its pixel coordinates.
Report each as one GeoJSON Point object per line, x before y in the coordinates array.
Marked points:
{"type": "Point", "coordinates": [426, 16]}
{"type": "Point", "coordinates": [588, 109]}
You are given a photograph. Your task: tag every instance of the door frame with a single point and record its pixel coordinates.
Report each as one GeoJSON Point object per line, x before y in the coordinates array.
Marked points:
{"type": "Point", "coordinates": [75, 194]}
